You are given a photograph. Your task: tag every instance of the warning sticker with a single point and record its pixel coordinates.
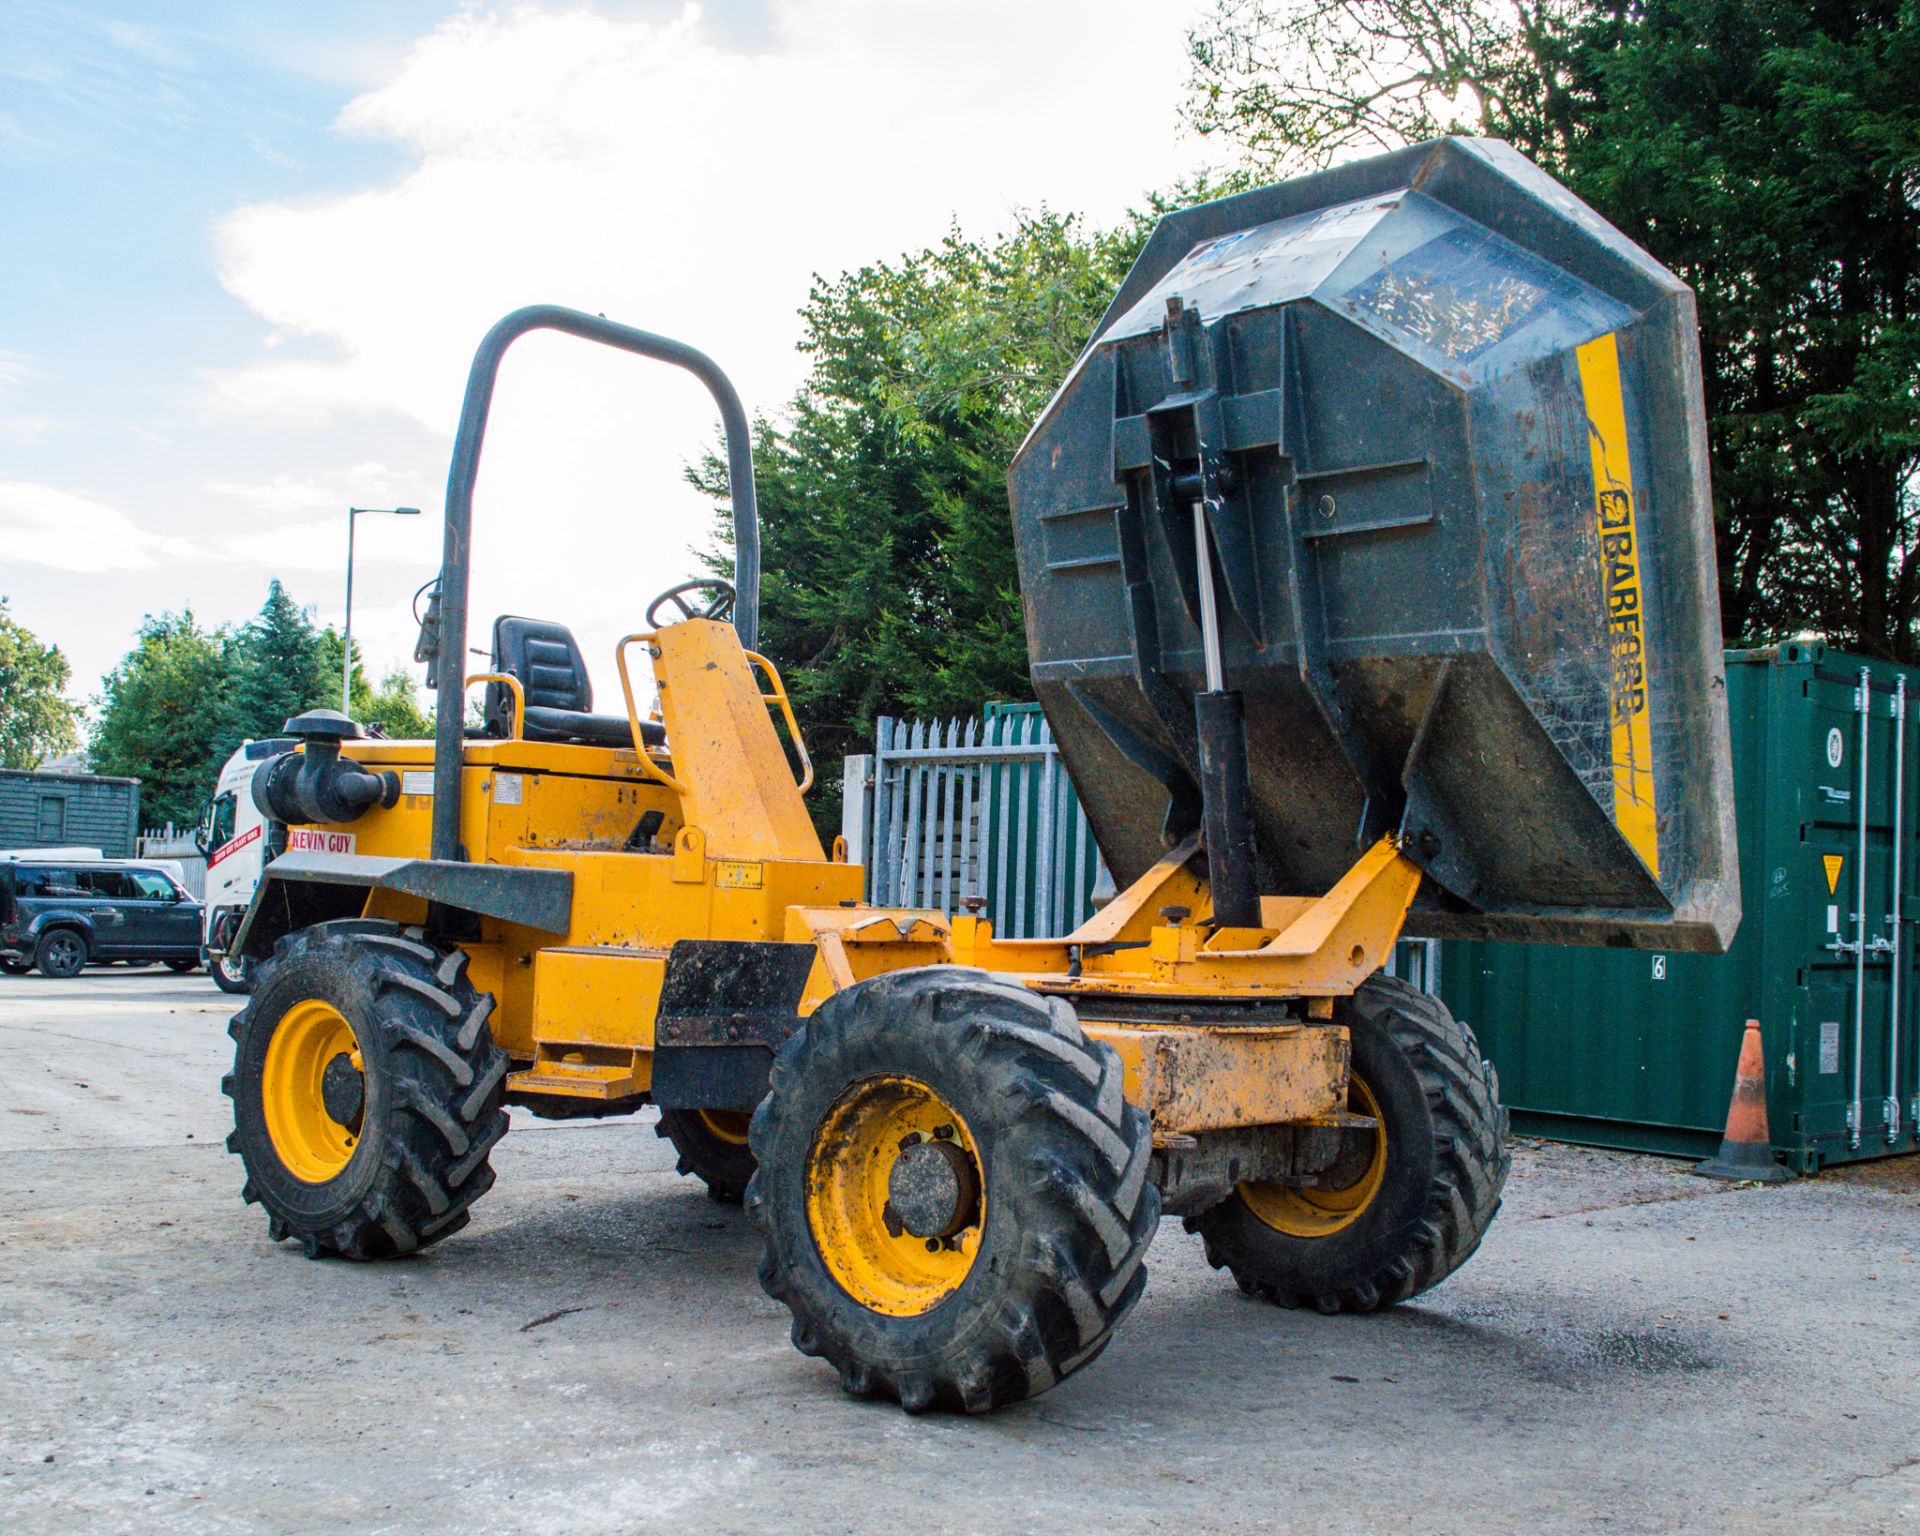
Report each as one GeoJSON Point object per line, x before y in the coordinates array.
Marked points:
{"type": "Point", "coordinates": [738, 874]}
{"type": "Point", "coordinates": [1832, 861]}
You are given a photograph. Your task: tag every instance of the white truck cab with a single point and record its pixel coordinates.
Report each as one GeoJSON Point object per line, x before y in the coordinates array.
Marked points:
{"type": "Point", "coordinates": [235, 836]}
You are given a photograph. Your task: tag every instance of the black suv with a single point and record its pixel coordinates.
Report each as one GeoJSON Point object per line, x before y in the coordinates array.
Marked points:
{"type": "Point", "coordinates": [60, 917]}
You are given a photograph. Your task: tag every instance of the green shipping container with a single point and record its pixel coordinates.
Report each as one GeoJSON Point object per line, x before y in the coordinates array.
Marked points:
{"type": "Point", "coordinates": [1626, 1048]}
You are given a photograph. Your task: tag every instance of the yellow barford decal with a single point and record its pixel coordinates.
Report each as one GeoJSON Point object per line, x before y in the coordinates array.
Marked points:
{"type": "Point", "coordinates": [1633, 802]}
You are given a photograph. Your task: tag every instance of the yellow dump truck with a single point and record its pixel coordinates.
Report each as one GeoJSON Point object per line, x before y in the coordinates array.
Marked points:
{"type": "Point", "coordinates": [1368, 572]}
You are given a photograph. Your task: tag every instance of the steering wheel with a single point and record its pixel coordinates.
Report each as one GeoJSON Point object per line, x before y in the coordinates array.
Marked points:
{"type": "Point", "coordinates": [720, 607]}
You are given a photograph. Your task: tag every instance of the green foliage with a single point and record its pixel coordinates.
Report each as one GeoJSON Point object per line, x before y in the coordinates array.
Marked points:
{"type": "Point", "coordinates": [1769, 152]}
{"type": "Point", "coordinates": [889, 580]}
{"type": "Point", "coordinates": [1298, 84]}
{"type": "Point", "coordinates": [184, 698]}
{"type": "Point", "coordinates": [1766, 150]}
{"type": "Point", "coordinates": [395, 706]}
{"type": "Point", "coordinates": [36, 721]}
{"type": "Point", "coordinates": [278, 667]}
{"type": "Point", "coordinates": [163, 718]}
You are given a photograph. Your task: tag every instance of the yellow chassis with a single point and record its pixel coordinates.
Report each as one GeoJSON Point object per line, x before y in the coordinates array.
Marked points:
{"type": "Point", "coordinates": [735, 857]}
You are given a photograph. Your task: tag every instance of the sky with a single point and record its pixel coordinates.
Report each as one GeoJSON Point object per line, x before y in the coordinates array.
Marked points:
{"type": "Point", "coordinates": [247, 248]}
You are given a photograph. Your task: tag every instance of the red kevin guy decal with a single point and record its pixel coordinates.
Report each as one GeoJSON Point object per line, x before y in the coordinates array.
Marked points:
{"type": "Point", "coordinates": [233, 845]}
{"type": "Point", "coordinates": [320, 842]}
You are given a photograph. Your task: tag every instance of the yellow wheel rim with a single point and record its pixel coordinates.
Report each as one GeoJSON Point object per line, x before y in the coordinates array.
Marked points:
{"type": "Point", "coordinates": [1322, 1212]}
{"type": "Point", "coordinates": [729, 1125]}
{"type": "Point", "coordinates": [311, 1143]}
{"type": "Point", "coordinates": [850, 1182]}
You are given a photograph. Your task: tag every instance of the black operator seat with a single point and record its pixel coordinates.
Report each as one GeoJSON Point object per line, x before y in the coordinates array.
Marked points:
{"type": "Point", "coordinates": [553, 674]}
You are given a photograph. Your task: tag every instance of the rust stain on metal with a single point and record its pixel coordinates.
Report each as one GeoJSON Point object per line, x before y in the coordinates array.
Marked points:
{"type": "Point", "coordinates": [1198, 1077]}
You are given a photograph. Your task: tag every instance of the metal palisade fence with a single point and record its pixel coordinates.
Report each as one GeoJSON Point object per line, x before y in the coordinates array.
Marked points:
{"type": "Point", "coordinates": [944, 810]}
{"type": "Point", "coordinates": [947, 810]}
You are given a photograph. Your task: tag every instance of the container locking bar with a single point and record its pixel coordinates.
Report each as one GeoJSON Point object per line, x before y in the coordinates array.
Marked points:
{"type": "Point", "coordinates": [1897, 981]}
{"type": "Point", "coordinates": [1863, 703]}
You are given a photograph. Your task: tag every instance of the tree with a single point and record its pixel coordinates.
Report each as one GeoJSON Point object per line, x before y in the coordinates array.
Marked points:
{"type": "Point", "coordinates": [1298, 84]}
{"type": "Point", "coordinates": [889, 582]}
{"type": "Point", "coordinates": [1766, 150]}
{"type": "Point", "coordinates": [1769, 152]}
{"type": "Point", "coordinates": [36, 720]}
{"type": "Point", "coordinates": [278, 665]}
{"type": "Point", "coordinates": [184, 698]}
{"type": "Point", "coordinates": [395, 706]}
{"type": "Point", "coordinates": [163, 717]}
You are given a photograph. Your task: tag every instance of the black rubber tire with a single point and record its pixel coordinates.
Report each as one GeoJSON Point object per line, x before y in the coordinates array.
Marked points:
{"type": "Point", "coordinates": [725, 1166]}
{"type": "Point", "coordinates": [61, 953]}
{"type": "Point", "coordinates": [1069, 1209]}
{"type": "Point", "coordinates": [1447, 1160]}
{"type": "Point", "coordinates": [183, 967]}
{"type": "Point", "coordinates": [15, 967]}
{"type": "Point", "coordinates": [434, 1084]}
{"type": "Point", "coordinates": [230, 974]}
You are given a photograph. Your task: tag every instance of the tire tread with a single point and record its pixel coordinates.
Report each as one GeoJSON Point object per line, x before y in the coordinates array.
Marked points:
{"type": "Point", "coordinates": [448, 1102]}
{"type": "Point", "coordinates": [1089, 1212]}
{"type": "Point", "coordinates": [1470, 1164]}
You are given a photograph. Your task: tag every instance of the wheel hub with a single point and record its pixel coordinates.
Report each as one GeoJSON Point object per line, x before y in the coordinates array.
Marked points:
{"type": "Point", "coordinates": [343, 1091]}
{"type": "Point", "coordinates": [1344, 1189]}
{"type": "Point", "coordinates": [896, 1195]}
{"type": "Point", "coordinates": [313, 1091]}
{"type": "Point", "coordinates": [932, 1189]}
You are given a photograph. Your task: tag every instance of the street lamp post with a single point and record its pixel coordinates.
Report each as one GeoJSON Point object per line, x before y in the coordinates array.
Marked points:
{"type": "Point", "coordinates": [346, 646]}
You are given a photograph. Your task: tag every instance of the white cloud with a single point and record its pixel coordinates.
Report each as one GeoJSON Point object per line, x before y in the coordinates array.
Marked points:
{"type": "Point", "coordinates": [370, 484]}
{"type": "Point", "coordinates": [656, 172]}
{"type": "Point", "coordinates": [44, 525]}
{"type": "Point", "coordinates": [26, 431]}
{"type": "Point", "coordinates": [15, 369]}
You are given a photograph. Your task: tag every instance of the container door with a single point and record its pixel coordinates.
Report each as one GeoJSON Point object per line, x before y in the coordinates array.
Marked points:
{"type": "Point", "coordinates": [1846, 1043]}
{"type": "Point", "coordinates": [1901, 1110]}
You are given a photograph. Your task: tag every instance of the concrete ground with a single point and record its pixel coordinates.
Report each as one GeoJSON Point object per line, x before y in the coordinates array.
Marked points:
{"type": "Point", "coordinates": [1633, 1350]}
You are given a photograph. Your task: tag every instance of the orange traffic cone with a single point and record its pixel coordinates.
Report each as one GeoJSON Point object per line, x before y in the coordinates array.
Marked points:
{"type": "Point", "coordinates": [1746, 1151]}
